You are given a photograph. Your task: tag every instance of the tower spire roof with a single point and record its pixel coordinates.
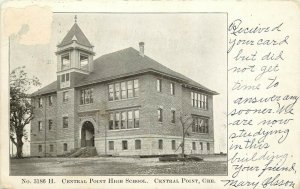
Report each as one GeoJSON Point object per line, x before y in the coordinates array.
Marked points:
{"type": "Point", "coordinates": [75, 33]}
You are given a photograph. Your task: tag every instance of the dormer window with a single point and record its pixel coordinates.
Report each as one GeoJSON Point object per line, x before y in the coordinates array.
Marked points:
{"type": "Point", "coordinates": [84, 60]}
{"type": "Point", "coordinates": [65, 61]}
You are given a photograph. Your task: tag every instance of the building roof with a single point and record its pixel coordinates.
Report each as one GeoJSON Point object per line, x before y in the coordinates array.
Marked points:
{"type": "Point", "coordinates": [125, 63]}
{"type": "Point", "coordinates": [75, 34]}
{"type": "Point", "coordinates": [129, 62]}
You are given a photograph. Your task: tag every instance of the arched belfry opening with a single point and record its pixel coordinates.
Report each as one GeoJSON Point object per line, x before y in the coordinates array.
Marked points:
{"type": "Point", "coordinates": [87, 134]}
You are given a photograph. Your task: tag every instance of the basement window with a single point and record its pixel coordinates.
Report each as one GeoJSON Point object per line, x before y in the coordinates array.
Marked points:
{"type": "Point", "coordinates": [40, 148]}
{"type": "Point", "coordinates": [138, 144]}
{"type": "Point", "coordinates": [124, 145]}
{"type": "Point", "coordinates": [111, 145]}
{"type": "Point", "coordinates": [160, 144]}
{"type": "Point", "coordinates": [51, 148]}
{"type": "Point", "coordinates": [65, 147]}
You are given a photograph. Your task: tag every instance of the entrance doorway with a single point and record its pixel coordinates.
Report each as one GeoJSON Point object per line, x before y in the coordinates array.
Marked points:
{"type": "Point", "coordinates": [87, 134]}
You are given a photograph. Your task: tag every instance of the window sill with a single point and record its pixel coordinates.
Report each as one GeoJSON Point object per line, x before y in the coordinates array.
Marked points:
{"type": "Point", "coordinates": [124, 129]}
{"type": "Point", "coordinates": [86, 104]}
{"type": "Point", "coordinates": [200, 133]}
{"type": "Point", "coordinates": [199, 108]}
{"type": "Point", "coordinates": [123, 99]}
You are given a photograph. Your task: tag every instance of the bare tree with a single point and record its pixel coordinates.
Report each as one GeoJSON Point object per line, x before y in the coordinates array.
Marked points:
{"type": "Point", "coordinates": [21, 110]}
{"type": "Point", "coordinates": [186, 121]}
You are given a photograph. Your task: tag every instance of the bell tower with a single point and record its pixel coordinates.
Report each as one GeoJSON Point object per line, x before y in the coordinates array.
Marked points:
{"type": "Point", "coordinates": [74, 57]}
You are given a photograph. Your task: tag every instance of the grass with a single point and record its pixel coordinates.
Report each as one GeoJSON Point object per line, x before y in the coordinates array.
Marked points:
{"type": "Point", "coordinates": [113, 166]}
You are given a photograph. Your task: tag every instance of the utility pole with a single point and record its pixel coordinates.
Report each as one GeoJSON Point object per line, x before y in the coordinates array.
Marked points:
{"type": "Point", "coordinates": [45, 124]}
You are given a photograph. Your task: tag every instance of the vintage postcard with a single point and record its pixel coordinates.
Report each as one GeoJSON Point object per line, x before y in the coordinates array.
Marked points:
{"type": "Point", "coordinates": [147, 94]}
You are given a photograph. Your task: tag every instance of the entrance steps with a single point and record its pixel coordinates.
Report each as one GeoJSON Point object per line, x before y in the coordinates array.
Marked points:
{"type": "Point", "coordinates": [84, 152]}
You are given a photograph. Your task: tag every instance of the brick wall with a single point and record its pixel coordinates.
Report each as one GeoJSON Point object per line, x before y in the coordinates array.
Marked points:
{"type": "Point", "coordinates": [149, 131]}
{"type": "Point", "coordinates": [43, 114]}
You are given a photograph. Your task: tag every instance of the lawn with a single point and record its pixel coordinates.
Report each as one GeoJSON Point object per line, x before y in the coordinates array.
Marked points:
{"type": "Point", "coordinates": [114, 166]}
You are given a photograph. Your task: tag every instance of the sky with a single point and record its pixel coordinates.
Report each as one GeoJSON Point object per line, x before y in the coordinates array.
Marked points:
{"type": "Point", "coordinates": [191, 44]}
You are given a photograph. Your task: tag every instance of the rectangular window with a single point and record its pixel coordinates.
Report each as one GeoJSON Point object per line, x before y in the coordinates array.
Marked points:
{"type": "Point", "coordinates": [173, 145]}
{"type": "Point", "coordinates": [65, 96]}
{"type": "Point", "coordinates": [82, 97]}
{"type": "Point", "coordinates": [124, 145]}
{"type": "Point", "coordinates": [111, 145]}
{"type": "Point", "coordinates": [117, 120]}
{"type": "Point", "coordinates": [111, 121]}
{"type": "Point", "coordinates": [51, 148]}
{"type": "Point", "coordinates": [206, 126]}
{"type": "Point", "coordinates": [84, 61]}
{"type": "Point", "coordinates": [129, 89]}
{"type": "Point", "coordinates": [173, 116]}
{"type": "Point", "coordinates": [65, 122]}
{"type": "Point", "coordinates": [40, 125]}
{"type": "Point", "coordinates": [192, 99]}
{"type": "Point", "coordinates": [86, 96]}
{"type": "Point", "coordinates": [138, 144]}
{"type": "Point", "coordinates": [129, 119]}
{"type": "Point", "coordinates": [159, 115]}
{"type": "Point", "coordinates": [65, 147]}
{"type": "Point", "coordinates": [40, 102]}
{"type": "Point", "coordinates": [40, 148]}
{"type": "Point", "coordinates": [123, 90]}
{"type": "Point", "coordinates": [136, 88]}
{"type": "Point", "coordinates": [50, 100]}
{"type": "Point", "coordinates": [117, 91]}
{"type": "Point", "coordinates": [65, 62]}
{"type": "Point", "coordinates": [194, 145]}
{"type": "Point", "coordinates": [158, 85]}
{"type": "Point", "coordinates": [194, 125]}
{"type": "Point", "coordinates": [200, 125]}
{"type": "Point", "coordinates": [208, 146]}
{"type": "Point", "coordinates": [201, 146]}
{"type": "Point", "coordinates": [160, 144]}
{"type": "Point", "coordinates": [63, 78]}
{"type": "Point", "coordinates": [136, 119]}
{"type": "Point", "coordinates": [205, 102]}
{"type": "Point", "coordinates": [50, 123]}
{"type": "Point", "coordinates": [202, 101]}
{"type": "Point", "coordinates": [111, 92]}
{"type": "Point", "coordinates": [199, 101]}
{"type": "Point", "coordinates": [123, 120]}
{"type": "Point", "coordinates": [67, 77]}
{"type": "Point", "coordinates": [172, 87]}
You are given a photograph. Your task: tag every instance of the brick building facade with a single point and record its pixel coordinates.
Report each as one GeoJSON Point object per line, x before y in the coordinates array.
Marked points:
{"type": "Point", "coordinates": [123, 103]}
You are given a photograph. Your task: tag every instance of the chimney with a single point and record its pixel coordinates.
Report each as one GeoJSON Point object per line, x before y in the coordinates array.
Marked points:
{"type": "Point", "coordinates": [141, 44]}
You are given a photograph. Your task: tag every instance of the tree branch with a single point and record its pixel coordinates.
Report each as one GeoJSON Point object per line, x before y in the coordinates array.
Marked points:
{"type": "Point", "coordinates": [13, 140]}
